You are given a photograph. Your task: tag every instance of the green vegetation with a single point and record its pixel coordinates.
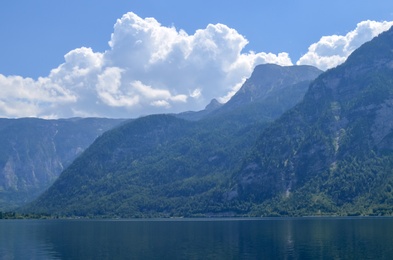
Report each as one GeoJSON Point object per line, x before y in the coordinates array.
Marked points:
{"type": "Point", "coordinates": [157, 165]}
{"type": "Point", "coordinates": [16, 215]}
{"type": "Point", "coordinates": [332, 153]}
{"type": "Point", "coordinates": [165, 166]}
{"type": "Point", "coordinates": [329, 155]}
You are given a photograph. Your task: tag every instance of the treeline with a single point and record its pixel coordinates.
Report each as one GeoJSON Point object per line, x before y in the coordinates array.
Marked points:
{"type": "Point", "coordinates": [16, 215]}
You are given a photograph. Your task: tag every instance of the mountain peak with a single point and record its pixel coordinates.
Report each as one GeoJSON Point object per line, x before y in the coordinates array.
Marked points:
{"type": "Point", "coordinates": [214, 104]}
{"type": "Point", "coordinates": [272, 78]}
{"type": "Point", "coordinates": [271, 90]}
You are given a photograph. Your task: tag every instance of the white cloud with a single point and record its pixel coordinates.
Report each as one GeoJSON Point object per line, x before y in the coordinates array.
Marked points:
{"type": "Point", "coordinates": [23, 97]}
{"type": "Point", "coordinates": [110, 92]}
{"type": "Point", "coordinates": [176, 66]}
{"type": "Point", "coordinates": [333, 50]}
{"type": "Point", "coordinates": [158, 96]}
{"type": "Point", "coordinates": [196, 93]}
{"type": "Point", "coordinates": [149, 68]}
{"type": "Point", "coordinates": [160, 103]}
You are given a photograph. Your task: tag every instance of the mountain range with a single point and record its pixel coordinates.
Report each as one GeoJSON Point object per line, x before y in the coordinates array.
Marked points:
{"type": "Point", "coordinates": [159, 164]}
{"type": "Point", "coordinates": [292, 142]}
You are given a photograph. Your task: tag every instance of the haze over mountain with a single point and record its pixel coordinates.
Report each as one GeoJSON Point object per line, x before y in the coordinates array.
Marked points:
{"type": "Point", "coordinates": [33, 153]}
{"type": "Point", "coordinates": [330, 154]}
{"type": "Point", "coordinates": [270, 91]}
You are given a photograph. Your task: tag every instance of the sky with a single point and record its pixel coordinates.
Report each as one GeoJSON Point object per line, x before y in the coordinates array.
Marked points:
{"type": "Point", "coordinates": [125, 59]}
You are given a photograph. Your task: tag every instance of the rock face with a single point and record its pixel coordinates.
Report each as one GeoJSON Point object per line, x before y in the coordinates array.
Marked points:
{"type": "Point", "coordinates": [268, 80]}
{"type": "Point", "coordinates": [33, 153]}
{"type": "Point", "coordinates": [268, 93]}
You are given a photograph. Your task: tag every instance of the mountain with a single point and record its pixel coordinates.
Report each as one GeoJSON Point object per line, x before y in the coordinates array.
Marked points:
{"type": "Point", "coordinates": [269, 80]}
{"type": "Point", "coordinates": [332, 153]}
{"type": "Point", "coordinates": [270, 91]}
{"type": "Point", "coordinates": [163, 165]}
{"type": "Point", "coordinates": [33, 152]}
{"type": "Point", "coordinates": [197, 115]}
{"type": "Point", "coordinates": [267, 94]}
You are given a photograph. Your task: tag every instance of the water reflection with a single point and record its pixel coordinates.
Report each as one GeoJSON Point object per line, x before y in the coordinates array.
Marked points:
{"type": "Point", "coordinates": [357, 238]}
{"type": "Point", "coordinates": [21, 239]}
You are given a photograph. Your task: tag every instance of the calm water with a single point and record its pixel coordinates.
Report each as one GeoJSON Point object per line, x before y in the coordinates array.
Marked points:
{"type": "Point", "coordinates": [303, 238]}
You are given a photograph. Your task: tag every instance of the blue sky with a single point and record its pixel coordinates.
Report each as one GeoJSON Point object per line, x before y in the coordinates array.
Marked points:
{"type": "Point", "coordinates": [102, 80]}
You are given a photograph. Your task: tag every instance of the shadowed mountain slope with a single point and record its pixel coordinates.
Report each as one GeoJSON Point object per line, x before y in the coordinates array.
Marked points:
{"type": "Point", "coordinates": [33, 153]}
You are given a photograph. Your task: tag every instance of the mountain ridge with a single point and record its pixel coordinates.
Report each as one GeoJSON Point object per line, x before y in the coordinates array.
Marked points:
{"type": "Point", "coordinates": [330, 154]}
{"type": "Point", "coordinates": [271, 89]}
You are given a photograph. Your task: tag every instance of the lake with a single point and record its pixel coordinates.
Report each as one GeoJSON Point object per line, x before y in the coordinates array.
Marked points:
{"type": "Point", "coordinates": [281, 238]}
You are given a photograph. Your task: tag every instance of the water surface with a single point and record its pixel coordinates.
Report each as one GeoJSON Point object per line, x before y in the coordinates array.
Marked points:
{"type": "Point", "coordinates": [300, 238]}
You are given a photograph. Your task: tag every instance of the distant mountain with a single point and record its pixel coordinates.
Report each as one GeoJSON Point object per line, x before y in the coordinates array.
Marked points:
{"type": "Point", "coordinates": [270, 91]}
{"type": "Point", "coordinates": [33, 153]}
{"type": "Point", "coordinates": [267, 94]}
{"type": "Point", "coordinates": [197, 115]}
{"type": "Point", "coordinates": [269, 80]}
{"type": "Point", "coordinates": [163, 165]}
{"type": "Point", "coordinates": [333, 152]}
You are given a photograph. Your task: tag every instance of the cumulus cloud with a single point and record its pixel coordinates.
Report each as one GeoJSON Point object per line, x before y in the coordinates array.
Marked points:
{"type": "Point", "coordinates": [150, 68]}
{"type": "Point", "coordinates": [192, 69]}
{"type": "Point", "coordinates": [22, 97]}
{"type": "Point", "coordinates": [147, 68]}
{"type": "Point", "coordinates": [333, 50]}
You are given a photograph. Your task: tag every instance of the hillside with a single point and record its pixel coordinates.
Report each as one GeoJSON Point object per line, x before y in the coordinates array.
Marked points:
{"type": "Point", "coordinates": [33, 153]}
{"type": "Point", "coordinates": [162, 165]}
{"type": "Point", "coordinates": [332, 153]}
